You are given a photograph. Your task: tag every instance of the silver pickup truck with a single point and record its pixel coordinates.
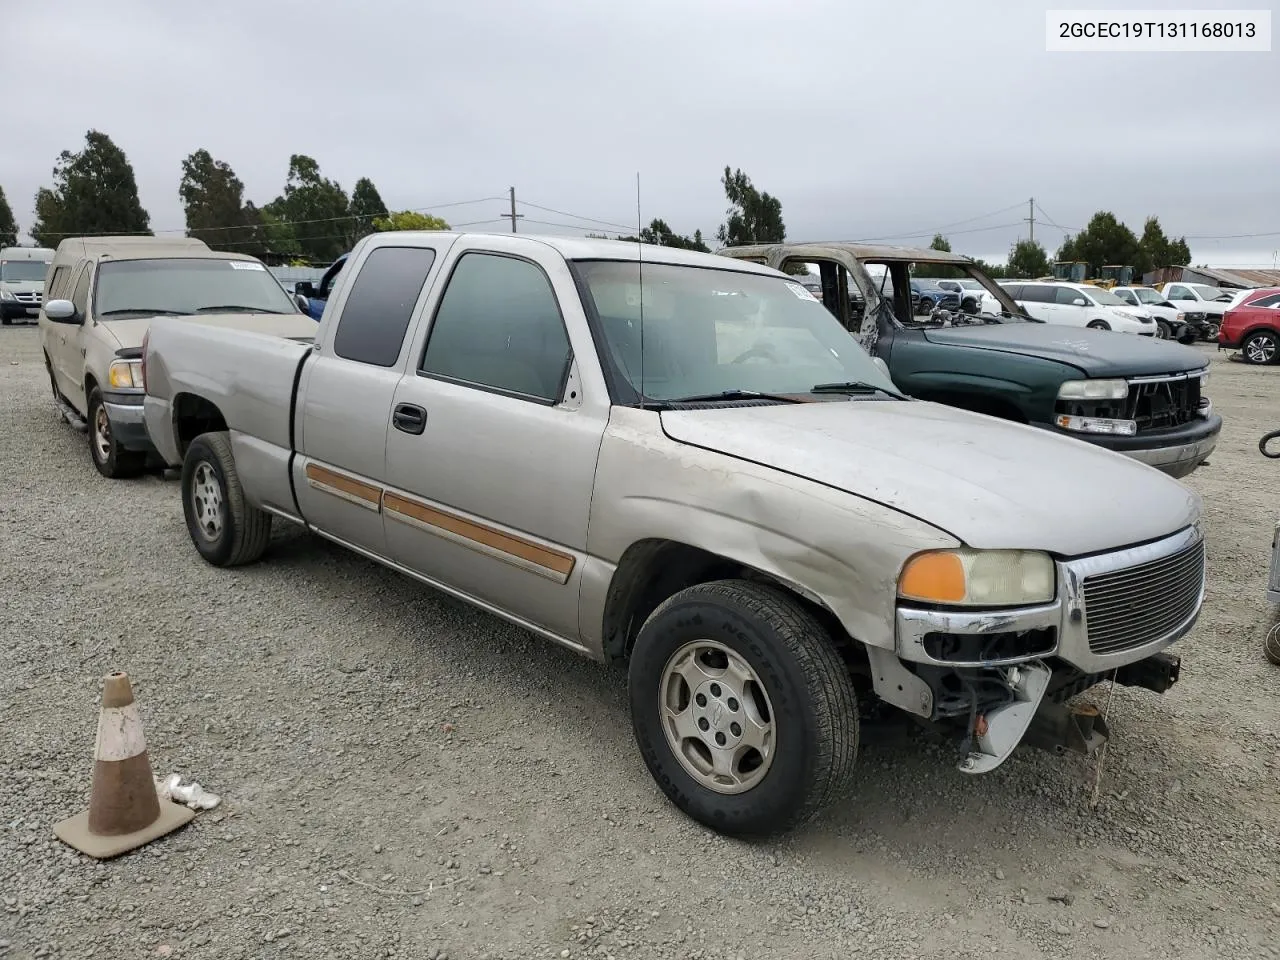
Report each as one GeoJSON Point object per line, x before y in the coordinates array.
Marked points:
{"type": "Point", "coordinates": [683, 463]}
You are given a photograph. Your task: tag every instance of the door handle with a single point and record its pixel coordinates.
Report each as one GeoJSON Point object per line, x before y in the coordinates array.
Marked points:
{"type": "Point", "coordinates": [409, 417]}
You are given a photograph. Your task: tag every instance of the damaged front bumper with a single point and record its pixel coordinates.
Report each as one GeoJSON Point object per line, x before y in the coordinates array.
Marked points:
{"type": "Point", "coordinates": [1007, 674]}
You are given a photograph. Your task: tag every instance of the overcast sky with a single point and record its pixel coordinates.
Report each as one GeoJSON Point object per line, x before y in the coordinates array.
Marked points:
{"type": "Point", "coordinates": [867, 121]}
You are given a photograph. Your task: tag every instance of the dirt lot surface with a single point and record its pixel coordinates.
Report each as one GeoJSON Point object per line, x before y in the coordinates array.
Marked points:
{"type": "Point", "coordinates": [404, 777]}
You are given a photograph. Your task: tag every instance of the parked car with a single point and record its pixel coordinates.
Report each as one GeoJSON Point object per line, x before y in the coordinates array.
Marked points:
{"type": "Point", "coordinates": [22, 273]}
{"type": "Point", "coordinates": [692, 469]}
{"type": "Point", "coordinates": [317, 297]}
{"type": "Point", "coordinates": [928, 295]}
{"type": "Point", "coordinates": [1080, 305]}
{"type": "Point", "coordinates": [973, 297]}
{"type": "Point", "coordinates": [1253, 327]}
{"type": "Point", "coordinates": [1199, 298]}
{"type": "Point", "coordinates": [1136, 396]}
{"type": "Point", "coordinates": [103, 293]}
{"type": "Point", "coordinates": [1173, 323]}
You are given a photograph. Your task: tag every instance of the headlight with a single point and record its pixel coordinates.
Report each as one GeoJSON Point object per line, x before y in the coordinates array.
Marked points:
{"type": "Point", "coordinates": [7, 295]}
{"type": "Point", "coordinates": [978, 578]}
{"type": "Point", "coordinates": [126, 373]}
{"type": "Point", "coordinates": [1181, 318]}
{"type": "Point", "coordinates": [1093, 390]}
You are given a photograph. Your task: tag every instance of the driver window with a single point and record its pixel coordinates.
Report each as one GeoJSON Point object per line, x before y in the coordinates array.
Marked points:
{"type": "Point", "coordinates": [829, 282]}
{"type": "Point", "coordinates": [1127, 296]}
{"type": "Point", "coordinates": [1180, 293]}
{"type": "Point", "coordinates": [80, 296]}
{"type": "Point", "coordinates": [1065, 295]}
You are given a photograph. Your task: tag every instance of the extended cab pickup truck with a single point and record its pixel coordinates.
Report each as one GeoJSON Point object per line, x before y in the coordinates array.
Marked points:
{"type": "Point", "coordinates": [1142, 399]}
{"type": "Point", "coordinates": [104, 291]}
{"type": "Point", "coordinates": [683, 463]}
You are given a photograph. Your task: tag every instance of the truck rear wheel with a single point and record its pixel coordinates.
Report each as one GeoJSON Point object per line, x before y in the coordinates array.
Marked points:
{"type": "Point", "coordinates": [225, 528]}
{"type": "Point", "coordinates": [743, 710]}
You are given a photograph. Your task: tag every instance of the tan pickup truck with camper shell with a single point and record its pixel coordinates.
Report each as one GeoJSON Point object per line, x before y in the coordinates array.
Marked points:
{"type": "Point", "coordinates": [683, 463]}
{"type": "Point", "coordinates": [102, 294]}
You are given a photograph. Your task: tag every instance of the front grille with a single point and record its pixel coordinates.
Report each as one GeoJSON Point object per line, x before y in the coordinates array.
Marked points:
{"type": "Point", "coordinates": [24, 296]}
{"type": "Point", "coordinates": [1130, 608]}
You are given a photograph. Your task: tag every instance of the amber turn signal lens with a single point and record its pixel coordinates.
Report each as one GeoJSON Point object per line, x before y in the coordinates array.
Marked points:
{"type": "Point", "coordinates": [933, 578]}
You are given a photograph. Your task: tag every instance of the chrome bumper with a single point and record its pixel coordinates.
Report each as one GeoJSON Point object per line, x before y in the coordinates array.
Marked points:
{"type": "Point", "coordinates": [1177, 461]}
{"type": "Point", "coordinates": [1067, 616]}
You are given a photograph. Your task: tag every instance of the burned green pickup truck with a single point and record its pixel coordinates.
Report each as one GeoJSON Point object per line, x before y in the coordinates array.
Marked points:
{"type": "Point", "coordinates": [1138, 396]}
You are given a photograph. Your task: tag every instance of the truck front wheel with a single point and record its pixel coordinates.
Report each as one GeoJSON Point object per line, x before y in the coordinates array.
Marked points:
{"type": "Point", "coordinates": [109, 456]}
{"type": "Point", "coordinates": [743, 710]}
{"type": "Point", "coordinates": [225, 528]}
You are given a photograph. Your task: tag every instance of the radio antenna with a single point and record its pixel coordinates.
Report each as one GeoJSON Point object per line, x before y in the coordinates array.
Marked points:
{"type": "Point", "coordinates": [644, 398]}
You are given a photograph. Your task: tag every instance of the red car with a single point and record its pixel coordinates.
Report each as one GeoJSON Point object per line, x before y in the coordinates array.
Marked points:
{"type": "Point", "coordinates": [1253, 326]}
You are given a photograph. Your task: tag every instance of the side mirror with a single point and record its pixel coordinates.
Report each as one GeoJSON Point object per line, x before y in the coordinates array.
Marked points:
{"type": "Point", "coordinates": [61, 311]}
{"type": "Point", "coordinates": [1079, 302]}
{"type": "Point", "coordinates": [304, 288]}
{"type": "Point", "coordinates": [303, 303]}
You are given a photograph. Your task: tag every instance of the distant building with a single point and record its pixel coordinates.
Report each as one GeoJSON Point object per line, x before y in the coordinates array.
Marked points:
{"type": "Point", "coordinates": [1214, 276]}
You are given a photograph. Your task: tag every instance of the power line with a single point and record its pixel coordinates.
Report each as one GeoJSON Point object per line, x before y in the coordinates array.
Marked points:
{"type": "Point", "coordinates": [574, 216]}
{"type": "Point", "coordinates": [912, 236]}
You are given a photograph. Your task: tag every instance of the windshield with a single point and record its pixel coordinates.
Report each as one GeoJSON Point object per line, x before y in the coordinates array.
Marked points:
{"type": "Point", "coordinates": [187, 285]}
{"type": "Point", "coordinates": [971, 284]}
{"type": "Point", "coordinates": [709, 331]}
{"type": "Point", "coordinates": [1105, 297]}
{"type": "Point", "coordinates": [1207, 292]}
{"type": "Point", "coordinates": [23, 270]}
{"type": "Point", "coordinates": [1147, 295]}
{"type": "Point", "coordinates": [921, 286]}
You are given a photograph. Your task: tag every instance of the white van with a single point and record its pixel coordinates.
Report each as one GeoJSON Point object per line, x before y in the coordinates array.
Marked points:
{"type": "Point", "coordinates": [22, 273]}
{"type": "Point", "coordinates": [1079, 305]}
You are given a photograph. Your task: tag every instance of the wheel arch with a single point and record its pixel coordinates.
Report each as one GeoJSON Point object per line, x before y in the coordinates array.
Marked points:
{"type": "Point", "coordinates": [193, 415]}
{"type": "Point", "coordinates": [653, 569]}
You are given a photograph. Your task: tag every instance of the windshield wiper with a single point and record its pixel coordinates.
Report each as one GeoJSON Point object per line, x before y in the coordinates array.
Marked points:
{"type": "Point", "coordinates": [854, 387]}
{"type": "Point", "coordinates": [735, 395]}
{"type": "Point", "coordinates": [235, 308]}
{"type": "Point", "coordinates": [144, 312]}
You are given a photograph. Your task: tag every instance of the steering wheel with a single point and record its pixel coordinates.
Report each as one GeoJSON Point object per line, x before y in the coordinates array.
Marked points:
{"type": "Point", "coordinates": [766, 351]}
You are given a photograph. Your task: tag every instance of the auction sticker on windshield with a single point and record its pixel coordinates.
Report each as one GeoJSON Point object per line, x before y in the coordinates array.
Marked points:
{"type": "Point", "coordinates": [245, 265]}
{"type": "Point", "coordinates": [801, 292]}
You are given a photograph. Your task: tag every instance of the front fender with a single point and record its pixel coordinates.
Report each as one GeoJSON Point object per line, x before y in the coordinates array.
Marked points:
{"type": "Point", "coordinates": [837, 549]}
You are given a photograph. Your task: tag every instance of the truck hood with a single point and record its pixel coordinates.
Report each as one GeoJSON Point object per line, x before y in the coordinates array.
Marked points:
{"type": "Point", "coordinates": [296, 326]}
{"type": "Point", "coordinates": [989, 483]}
{"type": "Point", "coordinates": [1097, 353]}
{"type": "Point", "coordinates": [25, 286]}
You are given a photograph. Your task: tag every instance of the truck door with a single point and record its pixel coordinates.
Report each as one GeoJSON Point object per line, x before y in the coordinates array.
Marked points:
{"type": "Point", "coordinates": [492, 448]}
{"type": "Point", "coordinates": [345, 396]}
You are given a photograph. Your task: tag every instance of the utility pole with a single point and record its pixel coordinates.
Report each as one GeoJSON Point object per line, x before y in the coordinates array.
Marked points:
{"type": "Point", "coordinates": [513, 215]}
{"type": "Point", "coordinates": [1031, 218]}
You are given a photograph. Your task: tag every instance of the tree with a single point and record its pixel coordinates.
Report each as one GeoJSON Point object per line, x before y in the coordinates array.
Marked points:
{"type": "Point", "coordinates": [366, 206]}
{"type": "Point", "coordinates": [8, 226]}
{"type": "Point", "coordinates": [1027, 259]}
{"type": "Point", "coordinates": [753, 217]}
{"type": "Point", "coordinates": [273, 240]}
{"type": "Point", "coordinates": [213, 198]}
{"type": "Point", "coordinates": [94, 192]}
{"type": "Point", "coordinates": [657, 232]}
{"type": "Point", "coordinates": [1105, 240]}
{"type": "Point", "coordinates": [939, 242]}
{"type": "Point", "coordinates": [409, 220]}
{"type": "Point", "coordinates": [1160, 251]}
{"type": "Point", "coordinates": [316, 208]}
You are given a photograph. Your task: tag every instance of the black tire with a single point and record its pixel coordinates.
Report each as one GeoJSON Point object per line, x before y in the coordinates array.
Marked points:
{"type": "Point", "coordinates": [1262, 347]}
{"type": "Point", "coordinates": [1211, 333]}
{"type": "Point", "coordinates": [926, 305]}
{"type": "Point", "coordinates": [1271, 645]}
{"type": "Point", "coordinates": [112, 460]}
{"type": "Point", "coordinates": [7, 321]}
{"type": "Point", "coordinates": [57, 394]}
{"type": "Point", "coordinates": [1099, 325]}
{"type": "Point", "coordinates": [1162, 330]}
{"type": "Point", "coordinates": [969, 305]}
{"type": "Point", "coordinates": [242, 531]}
{"type": "Point", "coordinates": [809, 690]}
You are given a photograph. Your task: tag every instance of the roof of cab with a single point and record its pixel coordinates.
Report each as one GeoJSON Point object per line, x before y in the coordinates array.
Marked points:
{"type": "Point", "coordinates": [143, 248]}
{"type": "Point", "coordinates": [26, 253]}
{"type": "Point", "coordinates": [593, 248]}
{"type": "Point", "coordinates": [860, 251]}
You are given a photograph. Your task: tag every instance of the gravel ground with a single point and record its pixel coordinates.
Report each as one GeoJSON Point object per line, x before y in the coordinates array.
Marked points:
{"type": "Point", "coordinates": [405, 777]}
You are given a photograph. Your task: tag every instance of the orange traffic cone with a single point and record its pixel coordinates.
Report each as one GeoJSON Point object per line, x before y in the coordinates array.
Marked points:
{"type": "Point", "coordinates": [125, 810]}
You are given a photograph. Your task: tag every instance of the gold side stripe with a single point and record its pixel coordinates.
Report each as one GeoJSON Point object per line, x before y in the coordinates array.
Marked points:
{"type": "Point", "coordinates": [523, 553]}
{"type": "Point", "coordinates": [348, 488]}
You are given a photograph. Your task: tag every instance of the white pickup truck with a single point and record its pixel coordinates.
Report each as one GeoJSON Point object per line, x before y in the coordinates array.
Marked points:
{"type": "Point", "coordinates": [681, 462]}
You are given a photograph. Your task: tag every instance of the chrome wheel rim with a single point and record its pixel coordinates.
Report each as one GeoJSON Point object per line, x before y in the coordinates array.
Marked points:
{"type": "Point", "coordinates": [717, 717]}
{"type": "Point", "coordinates": [206, 502]}
{"type": "Point", "coordinates": [101, 435]}
{"type": "Point", "coordinates": [1261, 349]}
